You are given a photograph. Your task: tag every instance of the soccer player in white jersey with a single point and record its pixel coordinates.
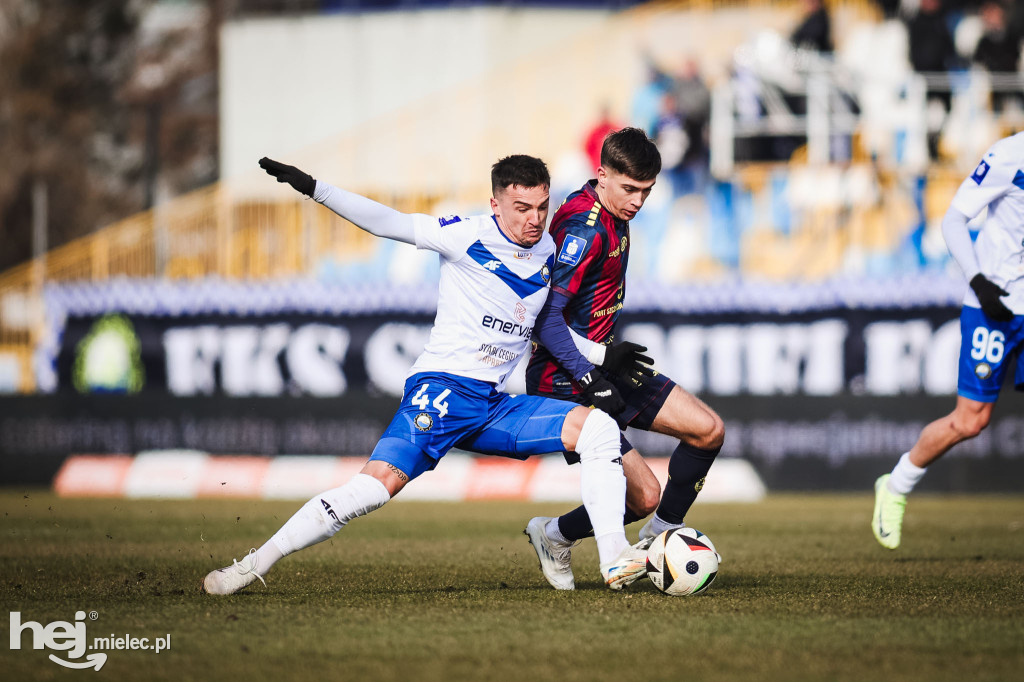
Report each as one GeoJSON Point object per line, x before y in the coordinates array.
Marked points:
{"type": "Point", "coordinates": [991, 321]}
{"type": "Point", "coordinates": [495, 273]}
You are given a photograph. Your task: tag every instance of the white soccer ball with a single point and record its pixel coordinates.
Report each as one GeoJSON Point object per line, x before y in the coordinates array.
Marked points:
{"type": "Point", "coordinates": [682, 561]}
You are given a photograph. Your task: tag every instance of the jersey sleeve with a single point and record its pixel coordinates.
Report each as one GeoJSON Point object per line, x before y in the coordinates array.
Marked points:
{"type": "Point", "coordinates": [449, 236]}
{"type": "Point", "coordinates": [578, 248]}
{"type": "Point", "coordinates": [993, 177]}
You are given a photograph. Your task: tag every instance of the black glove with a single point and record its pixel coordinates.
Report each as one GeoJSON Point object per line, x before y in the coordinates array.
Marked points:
{"type": "Point", "coordinates": [601, 393]}
{"type": "Point", "coordinates": [626, 359]}
{"type": "Point", "coordinates": [293, 176]}
{"type": "Point", "coordinates": [989, 293]}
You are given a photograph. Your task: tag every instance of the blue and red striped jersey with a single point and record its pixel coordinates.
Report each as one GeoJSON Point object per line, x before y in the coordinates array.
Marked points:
{"type": "Point", "coordinates": [592, 248]}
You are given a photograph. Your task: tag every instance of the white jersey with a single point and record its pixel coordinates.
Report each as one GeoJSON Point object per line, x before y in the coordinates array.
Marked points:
{"type": "Point", "coordinates": [998, 183]}
{"type": "Point", "coordinates": [489, 296]}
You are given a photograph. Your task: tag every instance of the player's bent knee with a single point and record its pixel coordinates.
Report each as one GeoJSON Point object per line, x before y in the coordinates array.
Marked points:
{"type": "Point", "coordinates": [969, 426]}
{"type": "Point", "coordinates": [711, 435]}
{"type": "Point", "coordinates": [598, 438]}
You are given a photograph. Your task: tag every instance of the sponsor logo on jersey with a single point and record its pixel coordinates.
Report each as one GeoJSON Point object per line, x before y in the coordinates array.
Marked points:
{"type": "Point", "coordinates": [520, 312]}
{"type": "Point", "coordinates": [423, 421]}
{"type": "Point", "coordinates": [492, 265]}
{"type": "Point", "coordinates": [572, 250]}
{"type": "Point", "coordinates": [492, 322]}
{"type": "Point", "coordinates": [522, 255]}
{"type": "Point", "coordinates": [983, 370]}
{"type": "Point", "coordinates": [619, 250]}
{"type": "Point", "coordinates": [980, 172]}
{"type": "Point", "coordinates": [449, 220]}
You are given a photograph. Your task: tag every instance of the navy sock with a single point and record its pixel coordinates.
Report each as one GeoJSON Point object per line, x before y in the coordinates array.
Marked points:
{"type": "Point", "coordinates": [686, 471]}
{"type": "Point", "coordinates": [576, 524]}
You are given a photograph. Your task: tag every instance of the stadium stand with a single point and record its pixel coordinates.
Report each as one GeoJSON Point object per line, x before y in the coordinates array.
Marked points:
{"type": "Point", "coordinates": [857, 197]}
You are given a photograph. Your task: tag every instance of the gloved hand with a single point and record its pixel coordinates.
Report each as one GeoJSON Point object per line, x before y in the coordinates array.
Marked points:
{"type": "Point", "coordinates": [626, 359]}
{"type": "Point", "coordinates": [989, 294]}
{"type": "Point", "coordinates": [302, 182]}
{"type": "Point", "coordinates": [601, 393]}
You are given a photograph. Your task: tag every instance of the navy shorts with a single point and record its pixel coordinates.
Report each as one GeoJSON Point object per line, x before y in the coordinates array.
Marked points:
{"type": "Point", "coordinates": [644, 400]}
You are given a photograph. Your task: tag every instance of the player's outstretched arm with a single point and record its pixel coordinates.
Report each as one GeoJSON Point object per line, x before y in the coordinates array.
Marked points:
{"type": "Point", "coordinates": [377, 219]}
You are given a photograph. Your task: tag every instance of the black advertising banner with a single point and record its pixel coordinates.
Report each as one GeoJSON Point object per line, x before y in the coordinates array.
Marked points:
{"type": "Point", "coordinates": [824, 353]}
{"type": "Point", "coordinates": [795, 442]}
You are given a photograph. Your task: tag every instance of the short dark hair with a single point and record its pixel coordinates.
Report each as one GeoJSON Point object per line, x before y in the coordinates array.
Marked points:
{"type": "Point", "coordinates": [519, 169]}
{"type": "Point", "coordinates": [630, 152]}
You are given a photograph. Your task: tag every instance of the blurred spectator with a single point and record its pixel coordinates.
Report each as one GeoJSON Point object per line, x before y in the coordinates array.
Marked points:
{"type": "Point", "coordinates": [595, 136]}
{"type": "Point", "coordinates": [998, 50]}
{"type": "Point", "coordinates": [646, 108]}
{"type": "Point", "coordinates": [931, 43]}
{"type": "Point", "coordinates": [669, 135]}
{"type": "Point", "coordinates": [815, 31]}
{"type": "Point", "coordinates": [890, 8]}
{"type": "Point", "coordinates": [932, 52]}
{"type": "Point", "coordinates": [693, 104]}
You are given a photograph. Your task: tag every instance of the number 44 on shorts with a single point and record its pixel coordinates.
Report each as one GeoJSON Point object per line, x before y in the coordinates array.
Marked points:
{"type": "Point", "coordinates": [421, 399]}
{"type": "Point", "coordinates": [987, 345]}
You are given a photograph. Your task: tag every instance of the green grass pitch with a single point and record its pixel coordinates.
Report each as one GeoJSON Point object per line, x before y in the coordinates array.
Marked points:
{"type": "Point", "coordinates": [444, 591]}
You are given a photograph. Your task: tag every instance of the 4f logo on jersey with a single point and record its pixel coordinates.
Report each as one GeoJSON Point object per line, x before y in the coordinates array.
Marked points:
{"type": "Point", "coordinates": [492, 265]}
{"type": "Point", "coordinates": [572, 250]}
{"type": "Point", "coordinates": [449, 220]}
{"type": "Point", "coordinates": [980, 172]}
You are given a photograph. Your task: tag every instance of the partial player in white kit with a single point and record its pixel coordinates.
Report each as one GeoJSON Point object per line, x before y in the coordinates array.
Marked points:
{"type": "Point", "coordinates": [991, 321]}
{"type": "Point", "coordinates": [495, 273]}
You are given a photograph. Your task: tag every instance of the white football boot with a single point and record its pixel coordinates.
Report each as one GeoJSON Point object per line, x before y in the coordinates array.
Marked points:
{"type": "Point", "coordinates": [626, 569]}
{"type": "Point", "coordinates": [555, 558]}
{"type": "Point", "coordinates": [231, 579]}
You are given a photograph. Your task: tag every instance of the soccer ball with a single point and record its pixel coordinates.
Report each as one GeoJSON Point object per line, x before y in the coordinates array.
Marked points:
{"type": "Point", "coordinates": [682, 561]}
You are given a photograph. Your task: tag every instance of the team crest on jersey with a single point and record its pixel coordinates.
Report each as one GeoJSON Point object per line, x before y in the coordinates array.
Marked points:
{"type": "Point", "coordinates": [520, 312]}
{"type": "Point", "coordinates": [572, 250]}
{"type": "Point", "coordinates": [522, 255]}
{"type": "Point", "coordinates": [545, 273]}
{"type": "Point", "coordinates": [449, 220]}
{"type": "Point", "coordinates": [980, 172]}
{"type": "Point", "coordinates": [983, 370]}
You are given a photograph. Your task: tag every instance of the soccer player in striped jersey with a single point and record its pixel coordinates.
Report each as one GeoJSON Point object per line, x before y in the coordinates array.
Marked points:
{"type": "Point", "coordinates": [588, 285]}
{"type": "Point", "coordinates": [495, 274]}
{"type": "Point", "coordinates": [991, 322]}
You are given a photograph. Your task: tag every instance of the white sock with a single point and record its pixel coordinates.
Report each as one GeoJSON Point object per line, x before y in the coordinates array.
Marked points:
{"type": "Point", "coordinates": [602, 483]}
{"type": "Point", "coordinates": [325, 515]}
{"type": "Point", "coordinates": [905, 476]}
{"type": "Point", "coordinates": [554, 533]}
{"type": "Point", "coordinates": [267, 556]}
{"type": "Point", "coordinates": [658, 525]}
